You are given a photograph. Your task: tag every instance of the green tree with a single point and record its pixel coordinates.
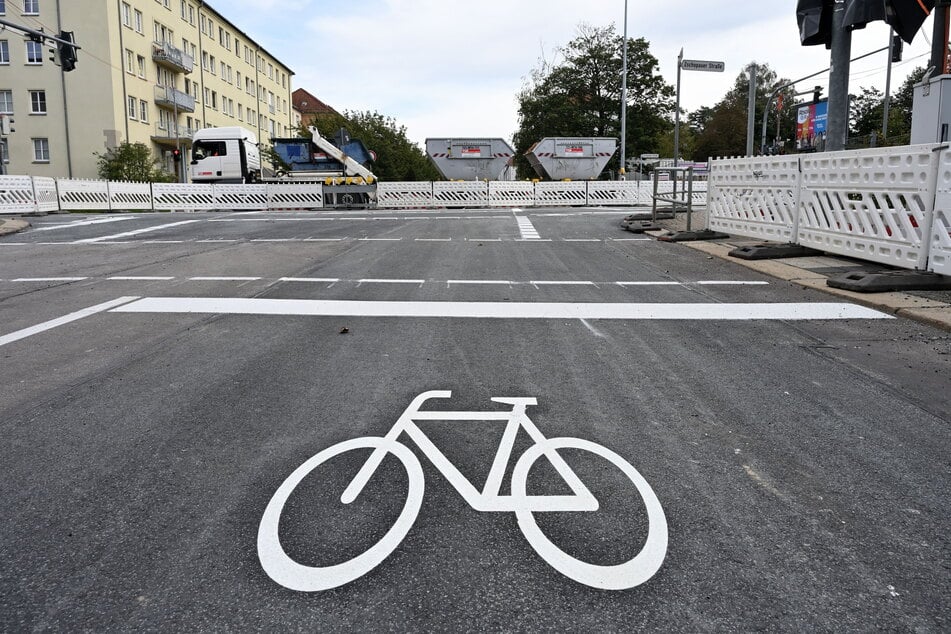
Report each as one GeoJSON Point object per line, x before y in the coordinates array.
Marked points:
{"type": "Point", "coordinates": [132, 162]}
{"type": "Point", "coordinates": [581, 95]}
{"type": "Point", "coordinates": [398, 158]}
{"type": "Point", "coordinates": [725, 125]}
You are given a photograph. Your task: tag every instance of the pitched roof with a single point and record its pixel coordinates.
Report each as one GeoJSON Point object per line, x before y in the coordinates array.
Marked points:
{"type": "Point", "coordinates": [307, 104]}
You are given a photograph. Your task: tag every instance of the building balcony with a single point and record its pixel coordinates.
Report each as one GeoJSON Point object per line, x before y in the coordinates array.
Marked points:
{"type": "Point", "coordinates": [168, 97]}
{"type": "Point", "coordinates": [172, 58]}
{"type": "Point", "coordinates": [170, 134]}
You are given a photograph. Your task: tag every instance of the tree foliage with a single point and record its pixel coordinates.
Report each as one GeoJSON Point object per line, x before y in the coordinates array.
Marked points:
{"type": "Point", "coordinates": [581, 95]}
{"type": "Point", "coordinates": [398, 158]}
{"type": "Point", "coordinates": [721, 130]}
{"type": "Point", "coordinates": [867, 110]}
{"type": "Point", "coordinates": [132, 162]}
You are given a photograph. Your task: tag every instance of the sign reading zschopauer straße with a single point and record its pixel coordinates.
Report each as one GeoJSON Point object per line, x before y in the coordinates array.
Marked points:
{"type": "Point", "coordinates": [699, 64]}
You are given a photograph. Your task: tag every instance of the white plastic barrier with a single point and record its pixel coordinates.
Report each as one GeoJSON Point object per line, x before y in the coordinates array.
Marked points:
{"type": "Point", "coordinates": [411, 195]}
{"type": "Point", "coordinates": [44, 191]}
{"type": "Point", "coordinates": [511, 194]}
{"type": "Point", "coordinates": [869, 204]}
{"type": "Point", "coordinates": [755, 196]}
{"type": "Point", "coordinates": [613, 192]}
{"type": "Point", "coordinates": [128, 196]}
{"type": "Point", "coordinates": [181, 196]}
{"type": "Point", "coordinates": [561, 194]}
{"type": "Point", "coordinates": [17, 195]}
{"type": "Point", "coordinates": [83, 195]}
{"type": "Point", "coordinates": [939, 260]}
{"type": "Point", "coordinates": [294, 196]}
{"type": "Point", "coordinates": [241, 196]}
{"type": "Point", "coordinates": [460, 194]}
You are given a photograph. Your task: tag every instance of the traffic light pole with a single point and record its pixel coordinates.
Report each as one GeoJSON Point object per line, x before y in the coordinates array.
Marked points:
{"type": "Point", "coordinates": [838, 122]}
{"type": "Point", "coordinates": [888, 83]}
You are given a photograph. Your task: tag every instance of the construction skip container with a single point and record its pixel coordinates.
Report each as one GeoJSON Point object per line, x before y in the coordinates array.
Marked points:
{"type": "Point", "coordinates": [571, 158]}
{"type": "Point", "coordinates": [469, 159]}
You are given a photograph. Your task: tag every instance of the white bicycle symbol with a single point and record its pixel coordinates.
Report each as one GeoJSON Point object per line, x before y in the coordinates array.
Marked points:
{"type": "Point", "coordinates": [290, 574]}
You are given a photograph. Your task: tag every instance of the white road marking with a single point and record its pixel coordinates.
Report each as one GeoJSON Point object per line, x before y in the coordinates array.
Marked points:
{"type": "Point", "coordinates": [53, 323]}
{"type": "Point", "coordinates": [631, 239]}
{"type": "Point", "coordinates": [594, 331]}
{"type": "Point", "coordinates": [49, 279]}
{"type": "Point", "coordinates": [533, 239]}
{"type": "Point", "coordinates": [274, 240]}
{"type": "Point", "coordinates": [83, 223]}
{"type": "Point", "coordinates": [216, 240]}
{"type": "Point", "coordinates": [162, 241]}
{"type": "Point", "coordinates": [526, 228]}
{"type": "Point", "coordinates": [324, 239]}
{"type": "Point", "coordinates": [582, 240]}
{"type": "Point", "coordinates": [136, 232]}
{"type": "Point", "coordinates": [389, 281]}
{"type": "Point", "coordinates": [649, 283]}
{"type": "Point", "coordinates": [500, 282]}
{"type": "Point", "coordinates": [224, 279]}
{"type": "Point", "coordinates": [433, 239]}
{"type": "Point", "coordinates": [140, 278]}
{"type": "Point", "coordinates": [484, 239]}
{"type": "Point", "coordinates": [327, 280]}
{"type": "Point", "coordinates": [503, 310]}
{"type": "Point", "coordinates": [561, 283]}
{"type": "Point", "coordinates": [380, 239]}
{"type": "Point", "coordinates": [730, 283]}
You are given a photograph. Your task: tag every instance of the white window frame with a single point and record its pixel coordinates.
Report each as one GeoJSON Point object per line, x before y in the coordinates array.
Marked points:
{"type": "Point", "coordinates": [37, 101]}
{"type": "Point", "coordinates": [41, 146]}
{"type": "Point", "coordinates": [4, 52]}
{"type": "Point", "coordinates": [143, 111]}
{"type": "Point", "coordinates": [139, 22]}
{"type": "Point", "coordinates": [31, 7]}
{"type": "Point", "coordinates": [131, 106]}
{"type": "Point", "coordinates": [9, 99]}
{"type": "Point", "coordinates": [140, 60]}
{"type": "Point", "coordinates": [127, 15]}
{"type": "Point", "coordinates": [34, 46]}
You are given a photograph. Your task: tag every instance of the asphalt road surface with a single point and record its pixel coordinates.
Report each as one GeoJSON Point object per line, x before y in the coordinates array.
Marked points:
{"type": "Point", "coordinates": [738, 453]}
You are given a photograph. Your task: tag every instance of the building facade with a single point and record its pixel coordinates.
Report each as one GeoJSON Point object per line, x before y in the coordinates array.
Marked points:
{"type": "Point", "coordinates": [149, 71]}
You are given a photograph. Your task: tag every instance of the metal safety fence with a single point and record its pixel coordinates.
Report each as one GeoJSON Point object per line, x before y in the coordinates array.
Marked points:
{"type": "Point", "coordinates": [887, 205]}
{"type": "Point", "coordinates": [25, 194]}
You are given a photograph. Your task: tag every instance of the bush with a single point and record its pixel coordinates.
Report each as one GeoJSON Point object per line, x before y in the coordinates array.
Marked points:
{"type": "Point", "coordinates": [132, 162]}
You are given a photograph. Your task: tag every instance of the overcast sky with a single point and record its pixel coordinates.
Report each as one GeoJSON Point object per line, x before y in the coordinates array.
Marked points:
{"type": "Point", "coordinates": [453, 67]}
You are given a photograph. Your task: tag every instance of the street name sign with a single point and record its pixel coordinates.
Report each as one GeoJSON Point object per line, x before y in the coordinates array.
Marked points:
{"type": "Point", "coordinates": [699, 64]}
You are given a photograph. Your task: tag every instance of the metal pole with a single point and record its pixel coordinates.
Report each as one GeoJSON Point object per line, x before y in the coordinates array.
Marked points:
{"type": "Point", "coordinates": [838, 121]}
{"type": "Point", "coordinates": [939, 41]}
{"type": "Point", "coordinates": [624, 100]}
{"type": "Point", "coordinates": [751, 111]}
{"type": "Point", "coordinates": [680, 63]}
{"type": "Point", "coordinates": [888, 85]}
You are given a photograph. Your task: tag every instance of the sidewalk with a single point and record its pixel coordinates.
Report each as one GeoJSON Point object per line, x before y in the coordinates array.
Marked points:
{"type": "Point", "coordinates": [930, 307]}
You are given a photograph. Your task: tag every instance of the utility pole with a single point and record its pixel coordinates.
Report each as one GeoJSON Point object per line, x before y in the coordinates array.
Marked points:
{"type": "Point", "coordinates": [888, 83]}
{"type": "Point", "coordinates": [751, 111]}
{"type": "Point", "coordinates": [623, 170]}
{"type": "Point", "coordinates": [680, 63]}
{"type": "Point", "coordinates": [838, 122]}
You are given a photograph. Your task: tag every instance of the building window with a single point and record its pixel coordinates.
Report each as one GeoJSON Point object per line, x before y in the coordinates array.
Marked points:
{"type": "Point", "coordinates": [143, 111]}
{"type": "Point", "coordinates": [132, 105]}
{"type": "Point", "coordinates": [6, 102]}
{"type": "Point", "coordinates": [126, 15]}
{"type": "Point", "coordinates": [34, 52]}
{"type": "Point", "coordinates": [3, 6]}
{"type": "Point", "coordinates": [4, 151]}
{"type": "Point", "coordinates": [129, 61]}
{"type": "Point", "coordinates": [237, 47]}
{"type": "Point", "coordinates": [138, 22]}
{"type": "Point", "coordinates": [141, 63]}
{"type": "Point", "coordinates": [31, 7]}
{"type": "Point", "coordinates": [37, 102]}
{"type": "Point", "coordinates": [191, 15]}
{"type": "Point", "coordinates": [184, 10]}
{"type": "Point", "coordinates": [4, 52]}
{"type": "Point", "coordinates": [41, 150]}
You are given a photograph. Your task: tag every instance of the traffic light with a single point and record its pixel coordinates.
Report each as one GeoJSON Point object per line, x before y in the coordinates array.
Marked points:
{"type": "Point", "coordinates": [815, 22]}
{"type": "Point", "coordinates": [897, 45]}
{"type": "Point", "coordinates": [176, 155]}
{"type": "Point", "coordinates": [907, 16]}
{"type": "Point", "coordinates": [815, 17]}
{"type": "Point", "coordinates": [817, 93]}
{"type": "Point", "coordinates": [6, 124]}
{"type": "Point", "coordinates": [67, 52]}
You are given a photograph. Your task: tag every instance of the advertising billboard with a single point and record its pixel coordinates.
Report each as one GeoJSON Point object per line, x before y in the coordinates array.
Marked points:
{"type": "Point", "coordinates": [811, 126]}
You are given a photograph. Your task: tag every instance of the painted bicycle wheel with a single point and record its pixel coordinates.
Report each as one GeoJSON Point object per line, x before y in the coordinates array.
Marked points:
{"type": "Point", "coordinates": [622, 576]}
{"type": "Point", "coordinates": [284, 570]}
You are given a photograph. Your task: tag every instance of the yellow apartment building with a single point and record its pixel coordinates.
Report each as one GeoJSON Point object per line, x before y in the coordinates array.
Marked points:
{"type": "Point", "coordinates": [150, 71]}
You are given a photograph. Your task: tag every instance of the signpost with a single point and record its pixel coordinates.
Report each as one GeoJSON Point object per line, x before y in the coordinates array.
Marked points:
{"type": "Point", "coordinates": [689, 64]}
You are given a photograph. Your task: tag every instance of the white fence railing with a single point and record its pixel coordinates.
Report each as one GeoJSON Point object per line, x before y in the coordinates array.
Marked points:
{"type": "Point", "coordinates": [886, 205]}
{"type": "Point", "coordinates": [25, 194]}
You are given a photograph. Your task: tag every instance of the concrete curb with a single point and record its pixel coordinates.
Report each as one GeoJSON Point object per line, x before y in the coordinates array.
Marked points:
{"type": "Point", "coordinates": [12, 225]}
{"type": "Point", "coordinates": [928, 311]}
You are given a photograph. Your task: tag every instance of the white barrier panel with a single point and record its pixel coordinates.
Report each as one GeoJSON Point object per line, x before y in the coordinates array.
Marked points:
{"type": "Point", "coordinates": [460, 194]}
{"type": "Point", "coordinates": [46, 196]}
{"type": "Point", "coordinates": [16, 195]}
{"type": "Point", "coordinates": [294, 196]}
{"type": "Point", "coordinates": [128, 196]}
{"type": "Point", "coordinates": [187, 197]}
{"type": "Point", "coordinates": [939, 260]}
{"type": "Point", "coordinates": [241, 196]}
{"type": "Point", "coordinates": [83, 195]}
{"type": "Point", "coordinates": [404, 195]}
{"type": "Point", "coordinates": [561, 194]}
{"type": "Point", "coordinates": [511, 194]}
{"type": "Point", "coordinates": [613, 193]}
{"type": "Point", "coordinates": [869, 204]}
{"type": "Point", "coordinates": [754, 196]}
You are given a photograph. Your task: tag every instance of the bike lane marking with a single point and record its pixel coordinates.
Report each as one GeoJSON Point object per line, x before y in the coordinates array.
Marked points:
{"type": "Point", "coordinates": [65, 319]}
{"type": "Point", "coordinates": [504, 310]}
